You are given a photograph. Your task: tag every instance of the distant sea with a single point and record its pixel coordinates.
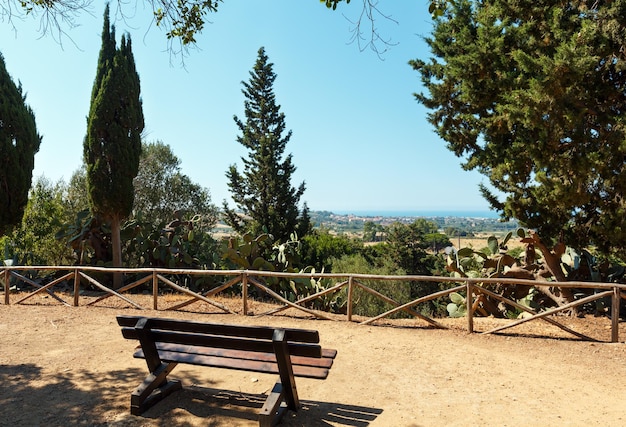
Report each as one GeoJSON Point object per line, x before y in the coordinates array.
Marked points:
{"type": "Point", "coordinates": [421, 213]}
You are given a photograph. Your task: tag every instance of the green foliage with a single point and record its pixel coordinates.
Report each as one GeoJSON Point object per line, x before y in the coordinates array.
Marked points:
{"type": "Point", "coordinates": [528, 301]}
{"type": "Point", "coordinates": [517, 252]}
{"type": "Point", "coordinates": [468, 262]}
{"type": "Point", "coordinates": [530, 94]}
{"type": "Point", "coordinates": [373, 232]}
{"type": "Point", "coordinates": [320, 247]}
{"type": "Point", "coordinates": [180, 243]}
{"type": "Point", "coordinates": [493, 261]}
{"type": "Point", "coordinates": [162, 190]}
{"type": "Point", "coordinates": [437, 241]}
{"type": "Point", "coordinates": [248, 253]}
{"type": "Point", "coordinates": [406, 246]}
{"type": "Point", "coordinates": [76, 197]}
{"type": "Point", "coordinates": [185, 18]}
{"type": "Point", "coordinates": [113, 142]}
{"type": "Point", "coordinates": [365, 303]}
{"type": "Point", "coordinates": [19, 142]}
{"type": "Point", "coordinates": [457, 306]}
{"type": "Point", "coordinates": [263, 253]}
{"type": "Point", "coordinates": [332, 4]}
{"type": "Point", "coordinates": [34, 241]}
{"type": "Point", "coordinates": [88, 237]}
{"type": "Point", "coordinates": [452, 232]}
{"type": "Point", "coordinates": [435, 7]}
{"type": "Point", "coordinates": [263, 193]}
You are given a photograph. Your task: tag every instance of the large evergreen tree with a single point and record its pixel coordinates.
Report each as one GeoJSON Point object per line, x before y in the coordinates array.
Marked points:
{"type": "Point", "coordinates": [113, 143]}
{"type": "Point", "coordinates": [532, 94]}
{"type": "Point", "coordinates": [263, 192]}
{"type": "Point", "coordinates": [19, 142]}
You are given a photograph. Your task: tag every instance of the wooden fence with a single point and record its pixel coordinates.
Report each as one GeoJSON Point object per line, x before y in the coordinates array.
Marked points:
{"type": "Point", "coordinates": [348, 282]}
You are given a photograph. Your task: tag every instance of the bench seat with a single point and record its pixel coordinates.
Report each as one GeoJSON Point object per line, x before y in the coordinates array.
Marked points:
{"type": "Point", "coordinates": [306, 367]}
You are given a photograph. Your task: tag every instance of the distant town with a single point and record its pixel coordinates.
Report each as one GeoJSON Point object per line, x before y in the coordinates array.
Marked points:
{"type": "Point", "coordinates": [466, 225]}
{"type": "Point", "coordinates": [353, 224]}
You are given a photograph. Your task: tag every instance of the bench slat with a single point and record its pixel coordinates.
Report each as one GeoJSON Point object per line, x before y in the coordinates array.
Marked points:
{"type": "Point", "coordinates": [238, 364]}
{"type": "Point", "coordinates": [219, 341]}
{"type": "Point", "coordinates": [326, 361]}
{"type": "Point", "coordinates": [260, 332]}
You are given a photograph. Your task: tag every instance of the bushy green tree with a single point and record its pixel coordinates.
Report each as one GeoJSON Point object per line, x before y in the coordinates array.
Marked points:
{"type": "Point", "coordinates": [406, 246]}
{"type": "Point", "coordinates": [76, 197]}
{"type": "Point", "coordinates": [531, 94]}
{"type": "Point", "coordinates": [373, 232]}
{"type": "Point", "coordinates": [33, 242]}
{"type": "Point", "coordinates": [320, 247]}
{"type": "Point", "coordinates": [113, 143]}
{"type": "Point", "coordinates": [367, 304]}
{"type": "Point", "coordinates": [161, 189]}
{"type": "Point", "coordinates": [263, 192]}
{"type": "Point", "coordinates": [409, 247]}
{"type": "Point", "coordinates": [19, 142]}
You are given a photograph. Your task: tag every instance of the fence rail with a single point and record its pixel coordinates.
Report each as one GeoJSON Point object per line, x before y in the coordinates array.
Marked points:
{"type": "Point", "coordinates": [350, 282]}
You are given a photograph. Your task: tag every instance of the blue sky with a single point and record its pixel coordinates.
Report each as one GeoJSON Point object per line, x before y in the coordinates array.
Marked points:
{"type": "Point", "coordinates": [360, 140]}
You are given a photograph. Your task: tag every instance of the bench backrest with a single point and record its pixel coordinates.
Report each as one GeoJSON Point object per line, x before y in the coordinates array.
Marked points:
{"type": "Point", "coordinates": [301, 342]}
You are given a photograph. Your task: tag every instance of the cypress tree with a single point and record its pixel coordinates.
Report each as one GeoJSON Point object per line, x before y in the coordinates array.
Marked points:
{"type": "Point", "coordinates": [113, 143]}
{"type": "Point", "coordinates": [263, 192]}
{"type": "Point", "coordinates": [19, 142]}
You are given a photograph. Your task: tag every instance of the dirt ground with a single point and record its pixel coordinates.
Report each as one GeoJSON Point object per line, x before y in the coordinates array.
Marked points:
{"type": "Point", "coordinates": [66, 366]}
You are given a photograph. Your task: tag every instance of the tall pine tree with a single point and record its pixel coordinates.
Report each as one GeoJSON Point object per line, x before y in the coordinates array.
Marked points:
{"type": "Point", "coordinates": [263, 192]}
{"type": "Point", "coordinates": [113, 143]}
{"type": "Point", "coordinates": [19, 142]}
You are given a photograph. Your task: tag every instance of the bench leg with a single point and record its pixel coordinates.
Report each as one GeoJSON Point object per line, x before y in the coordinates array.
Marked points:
{"type": "Point", "coordinates": [284, 390]}
{"type": "Point", "coordinates": [273, 410]}
{"type": "Point", "coordinates": [285, 370]}
{"type": "Point", "coordinates": [153, 389]}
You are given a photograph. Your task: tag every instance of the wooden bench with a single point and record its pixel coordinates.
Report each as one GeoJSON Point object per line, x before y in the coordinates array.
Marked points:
{"type": "Point", "coordinates": [164, 343]}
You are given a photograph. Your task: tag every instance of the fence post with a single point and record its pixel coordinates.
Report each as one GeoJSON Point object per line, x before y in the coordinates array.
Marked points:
{"type": "Point", "coordinates": [244, 292]}
{"type": "Point", "coordinates": [76, 286]}
{"type": "Point", "coordinates": [350, 289]}
{"type": "Point", "coordinates": [469, 299]}
{"type": "Point", "coordinates": [615, 300]}
{"type": "Point", "coordinates": [155, 290]}
{"type": "Point", "coordinates": [7, 287]}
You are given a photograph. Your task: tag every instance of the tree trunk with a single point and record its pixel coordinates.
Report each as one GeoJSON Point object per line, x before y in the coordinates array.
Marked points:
{"type": "Point", "coordinates": [116, 247]}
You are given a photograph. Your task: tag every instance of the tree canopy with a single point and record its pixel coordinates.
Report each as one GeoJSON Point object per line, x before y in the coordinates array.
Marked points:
{"type": "Point", "coordinates": [19, 142]}
{"type": "Point", "coordinates": [161, 189]}
{"type": "Point", "coordinates": [263, 192]}
{"type": "Point", "coordinates": [532, 95]}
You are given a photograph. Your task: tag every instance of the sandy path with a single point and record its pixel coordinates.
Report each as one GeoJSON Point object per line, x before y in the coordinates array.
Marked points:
{"type": "Point", "coordinates": [63, 366]}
